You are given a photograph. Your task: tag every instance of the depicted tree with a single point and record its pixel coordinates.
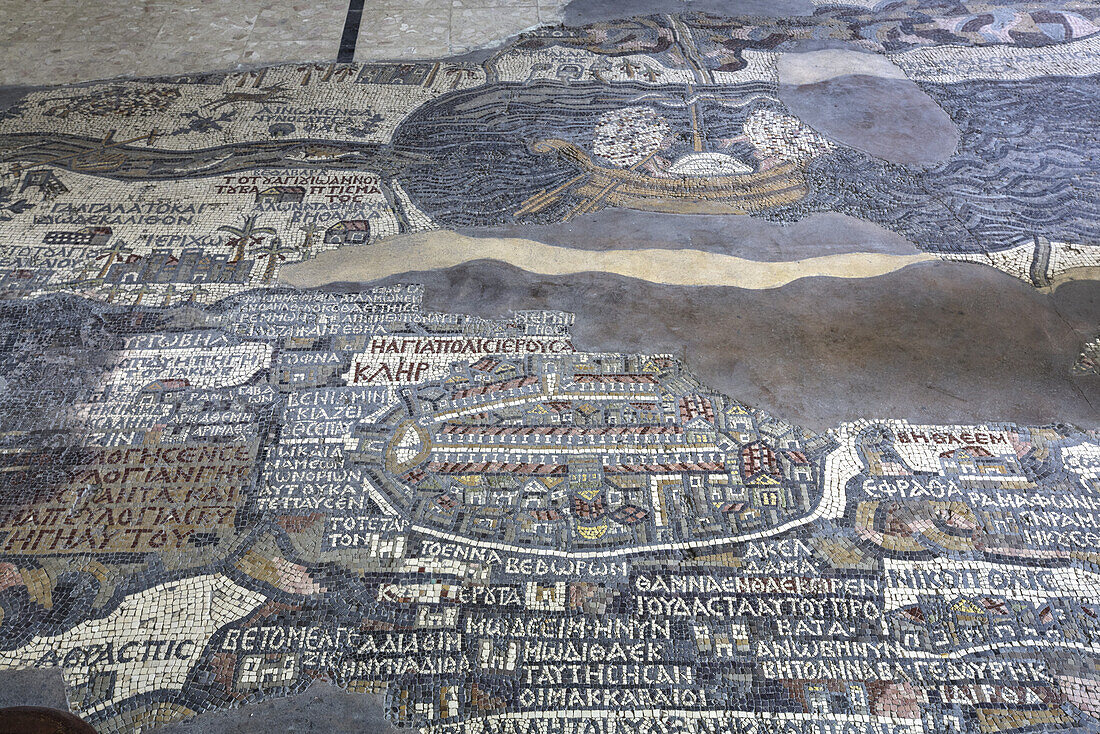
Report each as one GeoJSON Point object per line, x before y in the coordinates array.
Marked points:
{"type": "Point", "coordinates": [308, 70]}
{"type": "Point", "coordinates": [628, 67]}
{"type": "Point", "coordinates": [599, 69]}
{"type": "Point", "coordinates": [82, 280]}
{"type": "Point", "coordinates": [141, 292]}
{"type": "Point", "coordinates": [310, 230]}
{"type": "Point", "coordinates": [458, 74]}
{"type": "Point", "coordinates": [197, 291]}
{"type": "Point", "coordinates": [244, 235]}
{"type": "Point", "coordinates": [274, 251]}
{"type": "Point", "coordinates": [111, 255]}
{"type": "Point", "coordinates": [112, 292]}
{"type": "Point", "coordinates": [84, 277]}
{"type": "Point", "coordinates": [86, 283]}
{"type": "Point", "coordinates": [9, 207]}
{"type": "Point", "coordinates": [86, 271]}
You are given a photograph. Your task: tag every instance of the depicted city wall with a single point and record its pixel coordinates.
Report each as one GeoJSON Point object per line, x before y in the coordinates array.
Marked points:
{"type": "Point", "coordinates": [502, 532]}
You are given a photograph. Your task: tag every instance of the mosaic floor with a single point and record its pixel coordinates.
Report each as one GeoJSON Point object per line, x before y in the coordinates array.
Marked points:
{"type": "Point", "coordinates": [476, 386]}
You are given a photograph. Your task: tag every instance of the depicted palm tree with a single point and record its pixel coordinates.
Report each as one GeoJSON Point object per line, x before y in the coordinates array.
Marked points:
{"type": "Point", "coordinates": [458, 74]}
{"type": "Point", "coordinates": [340, 71]}
{"type": "Point", "coordinates": [112, 255]}
{"type": "Point", "coordinates": [112, 292]}
{"type": "Point", "coordinates": [274, 251]}
{"type": "Point", "coordinates": [244, 235]}
{"type": "Point", "coordinates": [195, 293]}
{"type": "Point", "coordinates": [598, 70]}
{"type": "Point", "coordinates": [309, 69]}
{"type": "Point", "coordinates": [168, 293]}
{"type": "Point", "coordinates": [91, 283]}
{"type": "Point", "coordinates": [80, 282]}
{"type": "Point", "coordinates": [82, 278]}
{"type": "Point", "coordinates": [310, 230]}
{"type": "Point", "coordinates": [628, 67]}
{"type": "Point", "coordinates": [141, 292]}
{"type": "Point", "coordinates": [86, 270]}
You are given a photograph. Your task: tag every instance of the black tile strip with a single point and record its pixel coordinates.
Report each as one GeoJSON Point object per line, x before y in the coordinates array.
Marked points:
{"type": "Point", "coordinates": [351, 32]}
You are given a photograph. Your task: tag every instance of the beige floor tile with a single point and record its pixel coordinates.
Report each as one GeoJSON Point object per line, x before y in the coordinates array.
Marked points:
{"type": "Point", "coordinates": [265, 52]}
{"type": "Point", "coordinates": [409, 6]}
{"type": "Point", "coordinates": [473, 28]}
{"type": "Point", "coordinates": [25, 22]}
{"type": "Point", "coordinates": [168, 60]}
{"type": "Point", "coordinates": [551, 11]}
{"type": "Point", "coordinates": [301, 20]}
{"type": "Point", "coordinates": [492, 3]}
{"type": "Point", "coordinates": [115, 24]}
{"type": "Point", "coordinates": [66, 63]}
{"type": "Point", "coordinates": [208, 27]}
{"type": "Point", "coordinates": [57, 42]}
{"type": "Point", "coordinates": [392, 34]}
{"type": "Point", "coordinates": [29, 63]}
{"type": "Point", "coordinates": [198, 39]}
{"type": "Point", "coordinates": [382, 52]}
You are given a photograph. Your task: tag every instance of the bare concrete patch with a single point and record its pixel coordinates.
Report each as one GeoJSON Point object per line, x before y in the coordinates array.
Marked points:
{"type": "Point", "coordinates": [322, 708]}
{"type": "Point", "coordinates": [811, 67]}
{"type": "Point", "coordinates": [9, 95]}
{"type": "Point", "coordinates": [581, 12]}
{"type": "Point", "coordinates": [33, 687]}
{"type": "Point", "coordinates": [863, 101]}
{"type": "Point", "coordinates": [937, 342]}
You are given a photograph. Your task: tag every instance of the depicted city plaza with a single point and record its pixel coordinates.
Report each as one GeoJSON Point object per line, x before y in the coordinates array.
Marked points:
{"type": "Point", "coordinates": [668, 373]}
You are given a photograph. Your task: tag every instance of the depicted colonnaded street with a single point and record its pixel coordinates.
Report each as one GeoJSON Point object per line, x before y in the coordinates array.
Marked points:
{"type": "Point", "coordinates": [669, 367]}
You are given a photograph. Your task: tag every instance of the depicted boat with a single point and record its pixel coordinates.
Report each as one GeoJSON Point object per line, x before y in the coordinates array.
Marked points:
{"type": "Point", "coordinates": [737, 193]}
{"type": "Point", "coordinates": [98, 162]}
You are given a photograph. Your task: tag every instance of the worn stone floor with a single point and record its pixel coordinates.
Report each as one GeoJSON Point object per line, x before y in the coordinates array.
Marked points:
{"type": "Point", "coordinates": [586, 368]}
{"type": "Point", "coordinates": [56, 42]}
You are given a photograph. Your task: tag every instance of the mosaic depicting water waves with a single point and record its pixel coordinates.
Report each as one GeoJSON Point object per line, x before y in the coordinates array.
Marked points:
{"type": "Point", "coordinates": [1026, 166]}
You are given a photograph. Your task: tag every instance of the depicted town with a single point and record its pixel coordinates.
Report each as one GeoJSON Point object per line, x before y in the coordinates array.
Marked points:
{"type": "Point", "coordinates": [260, 428]}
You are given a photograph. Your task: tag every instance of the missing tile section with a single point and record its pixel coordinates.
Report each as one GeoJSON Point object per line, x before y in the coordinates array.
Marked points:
{"type": "Point", "coordinates": [322, 705]}
{"type": "Point", "coordinates": [351, 32]}
{"type": "Point", "coordinates": [865, 101]}
{"type": "Point", "coordinates": [1088, 362]}
{"type": "Point", "coordinates": [33, 687]}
